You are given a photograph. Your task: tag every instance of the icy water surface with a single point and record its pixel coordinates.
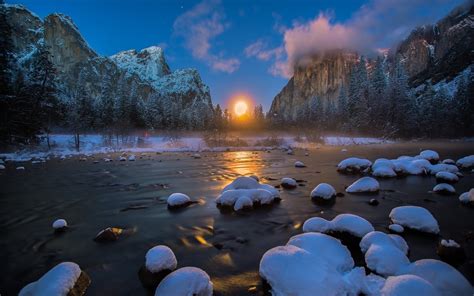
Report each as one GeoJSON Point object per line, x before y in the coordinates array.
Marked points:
{"type": "Point", "coordinates": [228, 246]}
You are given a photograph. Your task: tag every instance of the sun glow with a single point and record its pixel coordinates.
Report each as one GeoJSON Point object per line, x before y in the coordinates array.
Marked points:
{"type": "Point", "coordinates": [240, 108]}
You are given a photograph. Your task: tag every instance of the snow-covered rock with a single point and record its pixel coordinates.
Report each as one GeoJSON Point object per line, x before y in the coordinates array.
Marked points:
{"type": "Point", "coordinates": [245, 192]}
{"type": "Point", "coordinates": [131, 157]}
{"type": "Point", "coordinates": [299, 164]}
{"type": "Point", "coordinates": [408, 284]}
{"type": "Point", "coordinates": [288, 183]}
{"type": "Point", "coordinates": [122, 158]}
{"type": "Point", "coordinates": [414, 217]}
{"type": "Point", "coordinates": [160, 258]}
{"type": "Point", "coordinates": [441, 167]}
{"type": "Point", "coordinates": [449, 161]}
{"type": "Point", "coordinates": [323, 191]}
{"type": "Point", "coordinates": [2, 167]}
{"type": "Point", "coordinates": [176, 200]}
{"type": "Point", "coordinates": [451, 252]}
{"type": "Point", "coordinates": [430, 155]}
{"type": "Point", "coordinates": [59, 224]}
{"type": "Point", "coordinates": [397, 228]}
{"type": "Point", "coordinates": [364, 184]}
{"type": "Point", "coordinates": [311, 263]}
{"type": "Point", "coordinates": [290, 151]}
{"type": "Point", "coordinates": [20, 168]}
{"type": "Point", "coordinates": [59, 281]}
{"type": "Point", "coordinates": [196, 156]}
{"type": "Point", "coordinates": [466, 162]}
{"type": "Point", "coordinates": [467, 197]}
{"type": "Point", "coordinates": [444, 188]}
{"type": "Point", "coordinates": [349, 223]}
{"type": "Point", "coordinates": [446, 177]}
{"type": "Point", "coordinates": [353, 165]}
{"type": "Point", "coordinates": [383, 172]}
{"type": "Point", "coordinates": [186, 281]}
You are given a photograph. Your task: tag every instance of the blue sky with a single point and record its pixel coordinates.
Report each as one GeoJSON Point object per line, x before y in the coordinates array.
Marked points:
{"type": "Point", "coordinates": [243, 46]}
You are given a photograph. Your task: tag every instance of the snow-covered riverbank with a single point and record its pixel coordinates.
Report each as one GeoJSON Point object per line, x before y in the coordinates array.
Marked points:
{"type": "Point", "coordinates": [62, 145]}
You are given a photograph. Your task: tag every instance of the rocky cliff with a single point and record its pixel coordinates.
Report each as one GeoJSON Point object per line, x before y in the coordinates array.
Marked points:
{"type": "Point", "coordinates": [138, 75]}
{"type": "Point", "coordinates": [433, 52]}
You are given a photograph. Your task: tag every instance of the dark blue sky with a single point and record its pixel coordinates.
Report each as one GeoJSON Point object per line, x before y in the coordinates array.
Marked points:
{"type": "Point", "coordinates": [242, 46]}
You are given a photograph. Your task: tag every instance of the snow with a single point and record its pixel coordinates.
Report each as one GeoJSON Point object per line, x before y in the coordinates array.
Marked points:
{"type": "Point", "coordinates": [384, 254]}
{"type": "Point", "coordinates": [430, 155]}
{"type": "Point", "coordinates": [186, 281]}
{"type": "Point", "coordinates": [349, 223]}
{"type": "Point", "coordinates": [447, 176]}
{"type": "Point", "coordinates": [444, 188]}
{"type": "Point", "coordinates": [20, 168]}
{"type": "Point", "coordinates": [244, 189]}
{"type": "Point", "coordinates": [383, 172]}
{"type": "Point", "coordinates": [448, 161]}
{"type": "Point", "coordinates": [131, 158]}
{"type": "Point", "coordinates": [466, 162]}
{"type": "Point", "coordinates": [414, 217]}
{"type": "Point", "coordinates": [353, 164]}
{"type": "Point", "coordinates": [441, 167]}
{"type": "Point", "coordinates": [299, 164]}
{"type": "Point", "coordinates": [288, 182]}
{"type": "Point", "coordinates": [396, 228]}
{"type": "Point", "coordinates": [197, 156]}
{"type": "Point", "coordinates": [2, 167]}
{"type": "Point", "coordinates": [59, 223]}
{"type": "Point", "coordinates": [311, 262]}
{"type": "Point", "coordinates": [403, 285]}
{"type": "Point", "coordinates": [450, 243]}
{"type": "Point", "coordinates": [178, 199]}
{"type": "Point", "coordinates": [324, 191]}
{"type": "Point", "coordinates": [57, 281]}
{"type": "Point", "coordinates": [467, 197]}
{"type": "Point", "coordinates": [160, 258]}
{"type": "Point", "coordinates": [364, 184]}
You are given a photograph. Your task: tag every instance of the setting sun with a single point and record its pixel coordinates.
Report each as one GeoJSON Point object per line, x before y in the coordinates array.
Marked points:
{"type": "Point", "coordinates": [240, 108]}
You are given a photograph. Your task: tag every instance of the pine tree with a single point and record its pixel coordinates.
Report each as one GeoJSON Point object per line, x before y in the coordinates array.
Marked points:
{"type": "Point", "coordinates": [7, 98]}
{"type": "Point", "coordinates": [377, 95]}
{"type": "Point", "coordinates": [357, 103]}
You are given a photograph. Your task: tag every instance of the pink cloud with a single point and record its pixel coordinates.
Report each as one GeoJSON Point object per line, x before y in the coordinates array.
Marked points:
{"type": "Point", "coordinates": [198, 27]}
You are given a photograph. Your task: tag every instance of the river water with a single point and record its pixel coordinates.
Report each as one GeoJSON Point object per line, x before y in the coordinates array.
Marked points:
{"type": "Point", "coordinates": [133, 195]}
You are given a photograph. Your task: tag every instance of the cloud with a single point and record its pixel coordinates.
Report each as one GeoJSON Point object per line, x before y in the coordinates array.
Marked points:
{"type": "Point", "coordinates": [259, 49]}
{"type": "Point", "coordinates": [198, 27]}
{"type": "Point", "coordinates": [378, 24]}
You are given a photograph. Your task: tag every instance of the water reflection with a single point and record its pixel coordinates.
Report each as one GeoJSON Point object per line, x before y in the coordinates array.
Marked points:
{"type": "Point", "coordinates": [243, 163]}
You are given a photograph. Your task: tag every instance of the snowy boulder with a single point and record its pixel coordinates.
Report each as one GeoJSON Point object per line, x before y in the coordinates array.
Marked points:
{"type": "Point", "coordinates": [451, 252]}
{"type": "Point", "coordinates": [290, 151]}
{"type": "Point", "coordinates": [441, 167]}
{"type": "Point", "coordinates": [430, 155]}
{"type": "Point", "coordinates": [446, 279]}
{"type": "Point", "coordinates": [107, 160]}
{"type": "Point", "coordinates": [66, 278]}
{"type": "Point", "coordinates": [467, 198]}
{"type": "Point", "coordinates": [323, 192]}
{"type": "Point", "coordinates": [446, 177]}
{"type": "Point", "coordinates": [178, 200]}
{"type": "Point", "coordinates": [245, 192]}
{"type": "Point", "coordinates": [404, 166]}
{"type": "Point", "coordinates": [311, 263]}
{"type": "Point", "coordinates": [59, 225]}
{"type": "Point", "coordinates": [383, 172]}
{"type": "Point", "coordinates": [122, 158]}
{"type": "Point", "coordinates": [288, 183]}
{"type": "Point", "coordinates": [363, 185]}
{"type": "Point", "coordinates": [196, 156]}
{"type": "Point", "coordinates": [353, 165]}
{"type": "Point", "coordinates": [444, 188]}
{"type": "Point", "coordinates": [2, 167]}
{"type": "Point", "coordinates": [408, 284]}
{"type": "Point", "coordinates": [20, 168]}
{"type": "Point", "coordinates": [159, 262]}
{"type": "Point", "coordinates": [186, 281]}
{"type": "Point", "coordinates": [384, 253]}
{"type": "Point", "coordinates": [466, 162]}
{"type": "Point", "coordinates": [299, 164]}
{"type": "Point", "coordinates": [449, 161]}
{"type": "Point", "coordinates": [131, 157]}
{"type": "Point", "coordinates": [416, 218]}
{"type": "Point", "coordinates": [396, 228]}
{"type": "Point", "coordinates": [348, 223]}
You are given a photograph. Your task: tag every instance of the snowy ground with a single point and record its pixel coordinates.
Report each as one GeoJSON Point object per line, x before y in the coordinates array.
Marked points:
{"type": "Point", "coordinates": [63, 145]}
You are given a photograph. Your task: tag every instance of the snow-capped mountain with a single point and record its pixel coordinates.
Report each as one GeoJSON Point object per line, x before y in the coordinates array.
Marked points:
{"type": "Point", "coordinates": [139, 76]}
{"type": "Point", "coordinates": [149, 63]}
{"type": "Point", "coordinates": [438, 53]}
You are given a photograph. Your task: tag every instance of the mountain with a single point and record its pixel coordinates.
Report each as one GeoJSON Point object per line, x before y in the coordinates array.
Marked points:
{"type": "Point", "coordinates": [138, 77]}
{"type": "Point", "coordinates": [433, 53]}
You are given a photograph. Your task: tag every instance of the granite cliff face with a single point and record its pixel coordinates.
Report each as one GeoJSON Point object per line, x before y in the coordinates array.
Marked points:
{"type": "Point", "coordinates": [433, 52]}
{"type": "Point", "coordinates": [321, 77]}
{"type": "Point", "coordinates": [136, 75]}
